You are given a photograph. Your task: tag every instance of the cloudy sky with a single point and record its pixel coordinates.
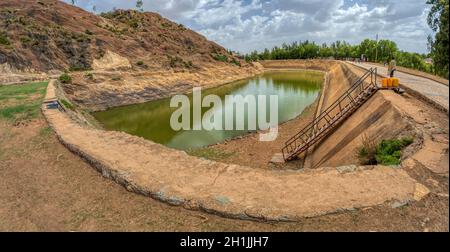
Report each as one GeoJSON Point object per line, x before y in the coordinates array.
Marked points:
{"type": "Point", "coordinates": [256, 24]}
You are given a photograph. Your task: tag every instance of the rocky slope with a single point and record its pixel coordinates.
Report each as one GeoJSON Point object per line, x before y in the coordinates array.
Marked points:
{"type": "Point", "coordinates": [50, 34]}
{"type": "Point", "coordinates": [120, 49]}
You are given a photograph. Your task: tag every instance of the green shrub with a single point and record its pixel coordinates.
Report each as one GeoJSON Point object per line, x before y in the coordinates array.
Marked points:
{"type": "Point", "coordinates": [220, 57]}
{"type": "Point", "coordinates": [65, 78]}
{"type": "Point", "coordinates": [89, 76]}
{"type": "Point", "coordinates": [236, 62]}
{"type": "Point", "coordinates": [188, 64]}
{"type": "Point", "coordinates": [88, 32]}
{"type": "Point", "coordinates": [388, 152]}
{"type": "Point", "coordinates": [4, 39]}
{"type": "Point", "coordinates": [141, 64]}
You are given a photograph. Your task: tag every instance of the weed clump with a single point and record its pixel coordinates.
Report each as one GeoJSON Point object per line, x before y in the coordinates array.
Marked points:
{"type": "Point", "coordinates": [236, 62]}
{"type": "Point", "coordinates": [4, 39]}
{"type": "Point", "coordinates": [387, 152]}
{"type": "Point", "coordinates": [220, 57]}
{"type": "Point", "coordinates": [67, 104]}
{"type": "Point", "coordinates": [65, 78]}
{"type": "Point", "coordinates": [141, 64]}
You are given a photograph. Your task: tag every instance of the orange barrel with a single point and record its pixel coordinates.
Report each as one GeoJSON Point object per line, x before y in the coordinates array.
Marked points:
{"type": "Point", "coordinates": [395, 82]}
{"type": "Point", "coordinates": [389, 82]}
{"type": "Point", "coordinates": [385, 82]}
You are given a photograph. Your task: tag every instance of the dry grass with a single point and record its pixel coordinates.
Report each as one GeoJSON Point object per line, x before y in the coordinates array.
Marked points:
{"type": "Point", "coordinates": [368, 150]}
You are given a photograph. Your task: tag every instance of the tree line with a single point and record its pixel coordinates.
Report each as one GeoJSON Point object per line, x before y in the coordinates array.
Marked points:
{"type": "Point", "coordinates": [376, 51]}
{"type": "Point", "coordinates": [382, 51]}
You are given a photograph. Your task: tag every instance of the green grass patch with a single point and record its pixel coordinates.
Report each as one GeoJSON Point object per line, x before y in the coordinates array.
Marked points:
{"type": "Point", "coordinates": [211, 154]}
{"type": "Point", "coordinates": [20, 92]}
{"type": "Point", "coordinates": [67, 104]}
{"type": "Point", "coordinates": [20, 112]}
{"type": "Point", "coordinates": [21, 102]}
{"type": "Point", "coordinates": [387, 152]}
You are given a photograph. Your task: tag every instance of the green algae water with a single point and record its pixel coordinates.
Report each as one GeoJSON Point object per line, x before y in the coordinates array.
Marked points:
{"type": "Point", "coordinates": [296, 90]}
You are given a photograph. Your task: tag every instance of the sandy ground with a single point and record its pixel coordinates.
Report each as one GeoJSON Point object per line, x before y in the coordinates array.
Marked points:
{"type": "Point", "coordinates": [45, 187]}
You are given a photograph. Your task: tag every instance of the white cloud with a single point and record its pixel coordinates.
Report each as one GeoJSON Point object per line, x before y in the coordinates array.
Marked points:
{"type": "Point", "coordinates": [256, 24]}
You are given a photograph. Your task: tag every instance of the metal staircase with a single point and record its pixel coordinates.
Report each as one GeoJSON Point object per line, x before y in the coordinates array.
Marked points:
{"type": "Point", "coordinates": [333, 116]}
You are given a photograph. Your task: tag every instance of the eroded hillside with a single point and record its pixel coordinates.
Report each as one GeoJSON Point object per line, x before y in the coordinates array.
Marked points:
{"type": "Point", "coordinates": [47, 34]}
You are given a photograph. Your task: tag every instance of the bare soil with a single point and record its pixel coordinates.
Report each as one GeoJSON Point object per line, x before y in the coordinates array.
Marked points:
{"type": "Point", "coordinates": [44, 187]}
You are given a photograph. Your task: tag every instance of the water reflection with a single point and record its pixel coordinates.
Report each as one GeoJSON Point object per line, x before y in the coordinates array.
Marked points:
{"type": "Point", "coordinates": [295, 90]}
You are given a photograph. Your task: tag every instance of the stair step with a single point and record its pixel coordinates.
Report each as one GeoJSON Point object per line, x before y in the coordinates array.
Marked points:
{"type": "Point", "coordinates": [294, 149]}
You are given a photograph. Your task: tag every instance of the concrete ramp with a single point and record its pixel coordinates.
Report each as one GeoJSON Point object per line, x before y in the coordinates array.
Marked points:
{"type": "Point", "coordinates": [376, 119]}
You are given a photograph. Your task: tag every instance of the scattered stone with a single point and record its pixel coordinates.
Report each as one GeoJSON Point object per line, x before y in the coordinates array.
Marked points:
{"type": "Point", "coordinates": [425, 221]}
{"type": "Point", "coordinates": [398, 204]}
{"type": "Point", "coordinates": [420, 192]}
{"type": "Point", "coordinates": [409, 163]}
{"type": "Point", "coordinates": [222, 200]}
{"type": "Point", "coordinates": [444, 195]}
{"type": "Point", "coordinates": [433, 182]}
{"type": "Point", "coordinates": [277, 159]}
{"type": "Point", "coordinates": [347, 169]}
{"type": "Point", "coordinates": [440, 138]}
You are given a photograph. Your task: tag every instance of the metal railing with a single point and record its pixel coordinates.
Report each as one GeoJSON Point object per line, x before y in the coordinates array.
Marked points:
{"type": "Point", "coordinates": [331, 117]}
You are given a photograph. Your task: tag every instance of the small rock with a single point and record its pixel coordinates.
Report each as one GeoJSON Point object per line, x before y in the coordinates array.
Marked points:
{"type": "Point", "coordinates": [433, 182]}
{"type": "Point", "coordinates": [223, 200]}
{"type": "Point", "coordinates": [409, 163]}
{"type": "Point", "coordinates": [399, 204]}
{"type": "Point", "coordinates": [347, 169]}
{"type": "Point", "coordinates": [420, 192]}
{"type": "Point", "coordinates": [277, 159]}
{"type": "Point", "coordinates": [440, 138]}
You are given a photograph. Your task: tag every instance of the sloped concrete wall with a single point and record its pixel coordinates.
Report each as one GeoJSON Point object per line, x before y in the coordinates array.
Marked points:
{"type": "Point", "coordinates": [376, 119]}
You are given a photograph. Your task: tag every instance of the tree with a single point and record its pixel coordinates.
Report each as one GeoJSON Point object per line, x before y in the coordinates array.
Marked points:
{"type": "Point", "coordinates": [73, 2]}
{"type": "Point", "coordinates": [387, 49]}
{"type": "Point", "coordinates": [140, 5]}
{"type": "Point", "coordinates": [439, 22]}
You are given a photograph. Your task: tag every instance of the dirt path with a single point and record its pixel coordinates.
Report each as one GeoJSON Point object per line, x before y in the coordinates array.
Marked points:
{"type": "Point", "coordinates": [435, 91]}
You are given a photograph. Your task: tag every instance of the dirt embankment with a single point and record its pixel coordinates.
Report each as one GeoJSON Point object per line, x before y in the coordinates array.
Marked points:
{"type": "Point", "coordinates": [102, 89]}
